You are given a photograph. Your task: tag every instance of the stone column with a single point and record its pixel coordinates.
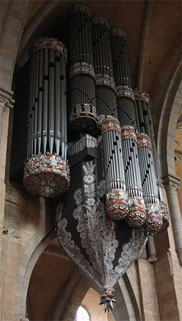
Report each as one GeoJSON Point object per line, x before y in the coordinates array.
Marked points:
{"type": "Point", "coordinates": [171, 184]}
{"type": "Point", "coordinates": [6, 102]}
{"type": "Point", "coordinates": [152, 256]}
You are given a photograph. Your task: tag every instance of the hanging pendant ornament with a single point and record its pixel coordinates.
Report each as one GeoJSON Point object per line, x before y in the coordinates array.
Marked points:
{"type": "Point", "coordinates": [46, 171]}
{"type": "Point", "coordinates": [107, 299]}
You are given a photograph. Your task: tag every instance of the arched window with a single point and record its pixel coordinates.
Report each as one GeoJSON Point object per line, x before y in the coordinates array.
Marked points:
{"type": "Point", "coordinates": [82, 315]}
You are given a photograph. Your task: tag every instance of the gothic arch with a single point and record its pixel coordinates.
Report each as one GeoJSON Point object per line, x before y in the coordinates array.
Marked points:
{"type": "Point", "coordinates": [29, 258]}
{"type": "Point", "coordinates": [170, 114]}
{"type": "Point", "coordinates": [78, 287]}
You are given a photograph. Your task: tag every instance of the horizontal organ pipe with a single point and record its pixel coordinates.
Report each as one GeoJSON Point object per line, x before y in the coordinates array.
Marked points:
{"type": "Point", "coordinates": [136, 216]}
{"type": "Point", "coordinates": [153, 214]}
{"type": "Point", "coordinates": [125, 96]}
{"type": "Point", "coordinates": [82, 74]}
{"type": "Point", "coordinates": [117, 200]}
{"type": "Point", "coordinates": [46, 171]}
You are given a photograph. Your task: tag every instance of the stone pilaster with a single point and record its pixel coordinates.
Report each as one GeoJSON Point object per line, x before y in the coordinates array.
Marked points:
{"type": "Point", "coordinates": [6, 102]}
{"type": "Point", "coordinates": [152, 256]}
{"type": "Point", "coordinates": [171, 184]}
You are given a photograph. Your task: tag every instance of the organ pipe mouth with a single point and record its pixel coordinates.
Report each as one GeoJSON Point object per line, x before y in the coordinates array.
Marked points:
{"type": "Point", "coordinates": [50, 43]}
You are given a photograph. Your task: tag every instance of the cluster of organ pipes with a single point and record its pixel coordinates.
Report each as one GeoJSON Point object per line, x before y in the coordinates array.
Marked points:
{"type": "Point", "coordinates": [46, 171]}
{"type": "Point", "coordinates": [103, 106]}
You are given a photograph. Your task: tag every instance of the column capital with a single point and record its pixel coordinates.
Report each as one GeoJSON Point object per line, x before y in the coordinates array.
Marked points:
{"type": "Point", "coordinates": [6, 99]}
{"type": "Point", "coordinates": [171, 181]}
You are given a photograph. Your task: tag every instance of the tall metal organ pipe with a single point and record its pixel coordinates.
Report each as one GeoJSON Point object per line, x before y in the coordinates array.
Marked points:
{"type": "Point", "coordinates": [105, 86]}
{"type": "Point", "coordinates": [82, 74]}
{"type": "Point", "coordinates": [136, 216]}
{"type": "Point", "coordinates": [154, 219]}
{"type": "Point", "coordinates": [143, 105]}
{"type": "Point", "coordinates": [116, 195]}
{"type": "Point", "coordinates": [46, 171]}
{"type": "Point", "coordinates": [125, 97]}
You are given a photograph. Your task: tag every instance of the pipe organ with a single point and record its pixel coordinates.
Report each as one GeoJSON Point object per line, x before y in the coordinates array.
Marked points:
{"type": "Point", "coordinates": [113, 124]}
{"type": "Point", "coordinates": [46, 171]}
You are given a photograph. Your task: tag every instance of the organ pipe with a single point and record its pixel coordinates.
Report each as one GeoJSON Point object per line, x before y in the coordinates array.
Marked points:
{"type": "Point", "coordinates": [82, 74]}
{"type": "Point", "coordinates": [136, 216]}
{"type": "Point", "coordinates": [143, 105]}
{"type": "Point", "coordinates": [105, 86]}
{"type": "Point", "coordinates": [46, 171]}
{"type": "Point", "coordinates": [125, 97]}
{"type": "Point", "coordinates": [154, 218]}
{"type": "Point", "coordinates": [117, 199]}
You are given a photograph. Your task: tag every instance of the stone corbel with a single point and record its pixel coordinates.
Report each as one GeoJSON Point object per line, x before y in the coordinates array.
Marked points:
{"type": "Point", "coordinates": [171, 184]}
{"type": "Point", "coordinates": [6, 99]}
{"type": "Point", "coordinates": [171, 181]}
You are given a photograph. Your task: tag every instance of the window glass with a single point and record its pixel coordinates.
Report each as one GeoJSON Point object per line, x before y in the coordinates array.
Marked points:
{"type": "Point", "coordinates": [82, 314]}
